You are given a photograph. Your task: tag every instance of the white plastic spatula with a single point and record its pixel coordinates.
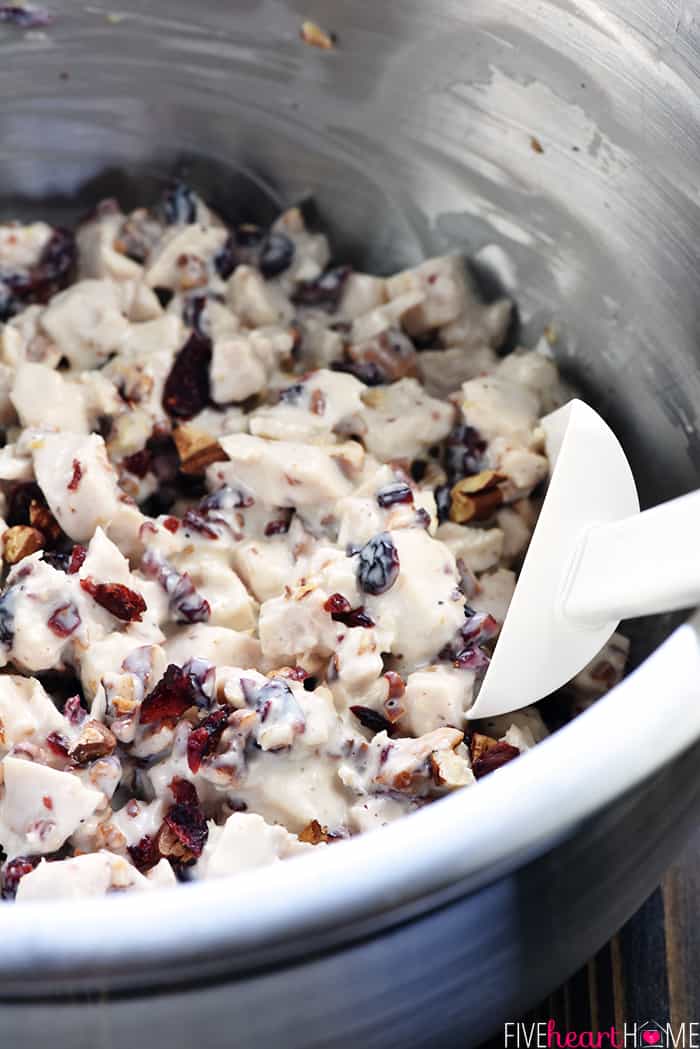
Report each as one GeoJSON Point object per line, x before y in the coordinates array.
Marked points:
{"type": "Point", "coordinates": [593, 560]}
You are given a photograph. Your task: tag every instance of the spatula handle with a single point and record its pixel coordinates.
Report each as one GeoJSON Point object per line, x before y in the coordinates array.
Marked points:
{"type": "Point", "coordinates": [641, 565]}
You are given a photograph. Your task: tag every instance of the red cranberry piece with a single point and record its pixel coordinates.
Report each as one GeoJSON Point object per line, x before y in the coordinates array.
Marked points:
{"type": "Point", "coordinates": [186, 391]}
{"type": "Point", "coordinates": [203, 740]}
{"type": "Point", "coordinates": [76, 477]}
{"type": "Point", "coordinates": [57, 744]}
{"type": "Point", "coordinates": [171, 523]}
{"type": "Point", "coordinates": [64, 620]}
{"type": "Point", "coordinates": [139, 463]}
{"type": "Point", "coordinates": [14, 871]}
{"type": "Point", "coordinates": [372, 720]}
{"type": "Point", "coordinates": [77, 557]}
{"type": "Point", "coordinates": [378, 564]}
{"type": "Point", "coordinates": [145, 853]}
{"type": "Point", "coordinates": [119, 600]}
{"type": "Point", "coordinates": [74, 710]}
{"type": "Point", "coordinates": [394, 493]}
{"type": "Point", "coordinates": [280, 527]}
{"type": "Point", "coordinates": [179, 689]}
{"type": "Point", "coordinates": [188, 605]}
{"type": "Point", "coordinates": [337, 605]}
{"type": "Point", "coordinates": [472, 659]}
{"type": "Point", "coordinates": [186, 819]}
{"type": "Point", "coordinates": [197, 523]}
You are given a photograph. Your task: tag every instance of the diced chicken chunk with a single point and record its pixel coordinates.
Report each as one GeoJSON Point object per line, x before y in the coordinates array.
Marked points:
{"type": "Point", "coordinates": [40, 807]}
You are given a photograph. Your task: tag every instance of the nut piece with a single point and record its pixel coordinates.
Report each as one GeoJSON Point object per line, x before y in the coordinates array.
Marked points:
{"type": "Point", "coordinates": [41, 517]}
{"type": "Point", "coordinates": [95, 741]}
{"type": "Point", "coordinates": [21, 541]}
{"type": "Point", "coordinates": [312, 34]}
{"type": "Point", "coordinates": [476, 498]}
{"type": "Point", "coordinates": [197, 449]}
{"type": "Point", "coordinates": [315, 834]}
{"type": "Point", "coordinates": [488, 754]}
{"type": "Point", "coordinates": [450, 769]}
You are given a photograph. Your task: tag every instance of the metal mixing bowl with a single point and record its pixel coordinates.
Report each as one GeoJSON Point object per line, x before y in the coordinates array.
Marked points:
{"type": "Point", "coordinates": [565, 133]}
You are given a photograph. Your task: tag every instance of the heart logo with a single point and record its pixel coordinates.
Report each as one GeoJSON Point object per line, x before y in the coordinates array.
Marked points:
{"type": "Point", "coordinates": [651, 1037]}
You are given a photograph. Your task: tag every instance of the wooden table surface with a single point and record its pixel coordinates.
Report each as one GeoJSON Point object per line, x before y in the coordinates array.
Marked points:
{"type": "Point", "coordinates": [649, 971]}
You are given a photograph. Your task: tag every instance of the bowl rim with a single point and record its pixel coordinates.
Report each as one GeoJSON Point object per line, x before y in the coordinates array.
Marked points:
{"type": "Point", "coordinates": [592, 761]}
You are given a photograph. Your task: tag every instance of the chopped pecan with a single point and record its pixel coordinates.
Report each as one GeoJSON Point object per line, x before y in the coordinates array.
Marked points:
{"type": "Point", "coordinates": [488, 754]}
{"type": "Point", "coordinates": [21, 541]}
{"type": "Point", "coordinates": [95, 741]}
{"type": "Point", "coordinates": [315, 834]}
{"type": "Point", "coordinates": [475, 498]}
{"type": "Point", "coordinates": [197, 449]}
{"type": "Point", "coordinates": [449, 769]}
{"type": "Point", "coordinates": [41, 517]}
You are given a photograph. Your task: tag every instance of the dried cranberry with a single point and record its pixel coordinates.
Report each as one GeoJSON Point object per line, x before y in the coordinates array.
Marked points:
{"type": "Point", "coordinates": [372, 720]}
{"type": "Point", "coordinates": [57, 744]}
{"type": "Point", "coordinates": [336, 604]}
{"type": "Point", "coordinates": [119, 600]}
{"type": "Point", "coordinates": [196, 523]}
{"type": "Point", "coordinates": [472, 659]}
{"type": "Point", "coordinates": [203, 740]}
{"type": "Point", "coordinates": [276, 254]}
{"type": "Point", "coordinates": [25, 17]}
{"type": "Point", "coordinates": [478, 627]}
{"type": "Point", "coordinates": [178, 205]}
{"type": "Point", "coordinates": [64, 620]}
{"type": "Point", "coordinates": [341, 612]}
{"type": "Point", "coordinates": [144, 854]}
{"type": "Point", "coordinates": [186, 390]}
{"type": "Point", "coordinates": [138, 463]}
{"type": "Point", "coordinates": [185, 601]}
{"type": "Point", "coordinates": [497, 755]}
{"type": "Point", "coordinates": [274, 701]}
{"type": "Point", "coordinates": [14, 871]}
{"type": "Point", "coordinates": [325, 291]}
{"type": "Point", "coordinates": [278, 527]}
{"type": "Point", "coordinates": [464, 453]}
{"type": "Point", "coordinates": [378, 564]}
{"type": "Point", "coordinates": [50, 274]}
{"type": "Point", "coordinates": [77, 558]}
{"type": "Point", "coordinates": [179, 689]}
{"type": "Point", "coordinates": [74, 710]}
{"type": "Point", "coordinates": [394, 493]}
{"type": "Point", "coordinates": [76, 476]}
{"type": "Point", "coordinates": [186, 819]}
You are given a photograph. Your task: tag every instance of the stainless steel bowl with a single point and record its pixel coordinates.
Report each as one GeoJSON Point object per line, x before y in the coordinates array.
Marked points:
{"type": "Point", "coordinates": [420, 133]}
